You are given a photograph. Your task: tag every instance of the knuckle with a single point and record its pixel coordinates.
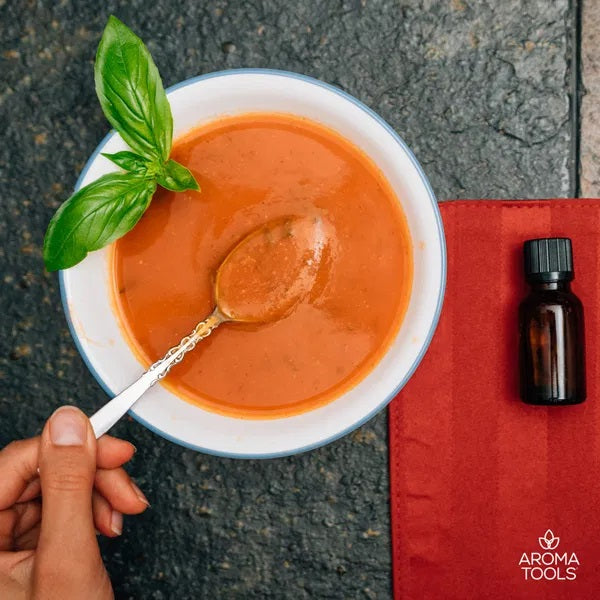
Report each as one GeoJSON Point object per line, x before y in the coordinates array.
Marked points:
{"type": "Point", "coordinates": [13, 448]}
{"type": "Point", "coordinates": [67, 481]}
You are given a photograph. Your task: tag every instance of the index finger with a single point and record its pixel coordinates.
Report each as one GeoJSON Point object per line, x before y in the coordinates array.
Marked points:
{"type": "Point", "coordinates": [19, 464]}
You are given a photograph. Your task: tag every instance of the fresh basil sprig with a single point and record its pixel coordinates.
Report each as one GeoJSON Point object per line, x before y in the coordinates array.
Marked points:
{"type": "Point", "coordinates": [133, 100]}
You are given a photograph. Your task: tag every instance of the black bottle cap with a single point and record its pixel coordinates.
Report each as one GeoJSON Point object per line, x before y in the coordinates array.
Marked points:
{"type": "Point", "coordinates": [548, 259]}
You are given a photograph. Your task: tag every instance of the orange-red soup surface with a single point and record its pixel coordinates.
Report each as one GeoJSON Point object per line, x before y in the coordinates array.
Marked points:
{"type": "Point", "coordinates": [253, 169]}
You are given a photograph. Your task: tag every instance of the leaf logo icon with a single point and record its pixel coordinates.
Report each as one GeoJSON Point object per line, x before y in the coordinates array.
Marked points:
{"type": "Point", "coordinates": [549, 542]}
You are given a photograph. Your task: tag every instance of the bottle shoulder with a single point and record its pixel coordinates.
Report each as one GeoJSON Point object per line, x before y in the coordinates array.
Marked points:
{"type": "Point", "coordinates": [551, 300]}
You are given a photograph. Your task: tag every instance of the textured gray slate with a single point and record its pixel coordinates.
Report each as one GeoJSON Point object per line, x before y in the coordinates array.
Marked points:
{"type": "Point", "coordinates": [479, 89]}
{"type": "Point", "coordinates": [590, 106]}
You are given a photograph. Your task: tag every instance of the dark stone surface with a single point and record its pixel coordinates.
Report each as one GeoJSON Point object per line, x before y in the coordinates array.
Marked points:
{"type": "Point", "coordinates": [478, 89]}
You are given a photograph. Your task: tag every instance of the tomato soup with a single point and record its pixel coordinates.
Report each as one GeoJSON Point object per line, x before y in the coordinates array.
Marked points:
{"type": "Point", "coordinates": [253, 169]}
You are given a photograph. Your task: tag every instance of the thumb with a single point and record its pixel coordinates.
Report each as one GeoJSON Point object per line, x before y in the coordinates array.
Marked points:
{"type": "Point", "coordinates": [67, 461]}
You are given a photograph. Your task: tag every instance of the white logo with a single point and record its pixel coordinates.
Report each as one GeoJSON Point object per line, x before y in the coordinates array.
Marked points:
{"type": "Point", "coordinates": [549, 542]}
{"type": "Point", "coordinates": [549, 565]}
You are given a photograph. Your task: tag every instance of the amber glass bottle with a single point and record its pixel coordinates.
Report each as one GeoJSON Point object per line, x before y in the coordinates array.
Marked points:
{"type": "Point", "coordinates": [552, 360]}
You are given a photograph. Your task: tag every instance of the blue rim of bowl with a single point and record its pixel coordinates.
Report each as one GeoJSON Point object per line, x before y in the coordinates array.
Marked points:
{"type": "Point", "coordinates": [434, 322]}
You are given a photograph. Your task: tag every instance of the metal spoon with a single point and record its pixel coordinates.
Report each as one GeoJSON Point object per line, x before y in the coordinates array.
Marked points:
{"type": "Point", "coordinates": [279, 263]}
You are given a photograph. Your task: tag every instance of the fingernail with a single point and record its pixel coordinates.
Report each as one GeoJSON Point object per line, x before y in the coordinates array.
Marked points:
{"type": "Point", "coordinates": [116, 522]}
{"type": "Point", "coordinates": [68, 427]}
{"type": "Point", "coordinates": [134, 448]}
{"type": "Point", "coordinates": [139, 494]}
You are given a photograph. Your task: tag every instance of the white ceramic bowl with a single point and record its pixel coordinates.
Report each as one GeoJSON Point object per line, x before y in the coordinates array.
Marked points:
{"type": "Point", "coordinates": [86, 287]}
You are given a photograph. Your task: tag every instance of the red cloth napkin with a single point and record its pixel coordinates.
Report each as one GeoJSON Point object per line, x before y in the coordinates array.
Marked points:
{"type": "Point", "coordinates": [477, 477]}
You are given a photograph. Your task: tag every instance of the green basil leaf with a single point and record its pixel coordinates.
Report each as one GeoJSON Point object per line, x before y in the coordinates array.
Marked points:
{"type": "Point", "coordinates": [131, 92]}
{"type": "Point", "coordinates": [130, 161]}
{"type": "Point", "coordinates": [177, 178]}
{"type": "Point", "coordinates": [95, 216]}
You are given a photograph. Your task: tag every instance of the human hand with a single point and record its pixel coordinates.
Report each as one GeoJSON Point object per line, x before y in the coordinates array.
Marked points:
{"type": "Point", "coordinates": [48, 546]}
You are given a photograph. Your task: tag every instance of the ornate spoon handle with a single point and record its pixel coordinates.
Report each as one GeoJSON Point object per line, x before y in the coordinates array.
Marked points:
{"type": "Point", "coordinates": [113, 410]}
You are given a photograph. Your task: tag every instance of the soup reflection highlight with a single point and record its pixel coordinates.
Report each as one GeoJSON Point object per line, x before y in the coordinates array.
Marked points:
{"type": "Point", "coordinates": [271, 270]}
